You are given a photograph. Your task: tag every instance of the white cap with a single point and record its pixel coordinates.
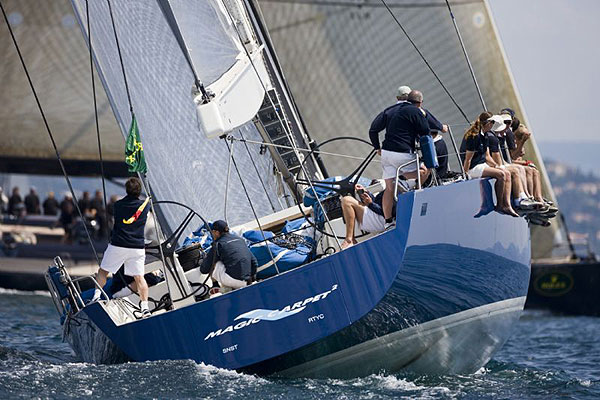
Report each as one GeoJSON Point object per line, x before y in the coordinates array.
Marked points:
{"type": "Point", "coordinates": [403, 91]}
{"type": "Point", "coordinates": [506, 117]}
{"type": "Point", "coordinates": [499, 124]}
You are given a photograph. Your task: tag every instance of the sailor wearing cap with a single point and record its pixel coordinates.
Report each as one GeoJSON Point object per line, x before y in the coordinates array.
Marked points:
{"type": "Point", "coordinates": [403, 123]}
{"type": "Point", "coordinates": [402, 94]}
{"type": "Point", "coordinates": [232, 263]}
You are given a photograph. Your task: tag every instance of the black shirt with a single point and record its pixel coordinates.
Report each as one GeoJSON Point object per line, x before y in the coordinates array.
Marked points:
{"type": "Point", "coordinates": [32, 204]}
{"type": "Point", "coordinates": [403, 123]}
{"type": "Point", "coordinates": [433, 122]}
{"type": "Point", "coordinates": [442, 155]}
{"type": "Point", "coordinates": [129, 235]}
{"type": "Point", "coordinates": [477, 144]}
{"type": "Point", "coordinates": [50, 206]}
{"type": "Point", "coordinates": [493, 142]}
{"type": "Point", "coordinates": [377, 204]}
{"type": "Point", "coordinates": [233, 252]}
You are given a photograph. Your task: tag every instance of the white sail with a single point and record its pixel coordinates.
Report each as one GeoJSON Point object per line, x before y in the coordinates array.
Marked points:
{"type": "Point", "coordinates": [184, 165]}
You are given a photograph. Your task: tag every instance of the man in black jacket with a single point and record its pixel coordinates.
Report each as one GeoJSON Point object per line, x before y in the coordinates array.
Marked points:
{"type": "Point", "coordinates": [403, 123]}
{"type": "Point", "coordinates": [127, 242]}
{"type": "Point", "coordinates": [234, 265]}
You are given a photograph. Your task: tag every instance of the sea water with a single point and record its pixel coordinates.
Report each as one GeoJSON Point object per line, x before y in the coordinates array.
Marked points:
{"type": "Point", "coordinates": [547, 356]}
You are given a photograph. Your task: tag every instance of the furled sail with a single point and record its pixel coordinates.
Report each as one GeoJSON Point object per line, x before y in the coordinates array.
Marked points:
{"type": "Point", "coordinates": [183, 164]}
{"type": "Point", "coordinates": [345, 59]}
{"type": "Point", "coordinates": [58, 62]}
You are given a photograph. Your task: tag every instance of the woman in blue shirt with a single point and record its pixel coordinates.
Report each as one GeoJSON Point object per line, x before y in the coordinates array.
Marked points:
{"type": "Point", "coordinates": [479, 163]}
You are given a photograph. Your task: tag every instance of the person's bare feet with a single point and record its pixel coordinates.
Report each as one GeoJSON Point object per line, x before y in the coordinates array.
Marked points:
{"type": "Point", "coordinates": [346, 243]}
{"type": "Point", "coordinates": [510, 211]}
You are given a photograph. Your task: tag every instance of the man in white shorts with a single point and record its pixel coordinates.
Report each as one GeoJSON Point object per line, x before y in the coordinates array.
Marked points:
{"type": "Point", "coordinates": [403, 123]}
{"type": "Point", "coordinates": [127, 242]}
{"type": "Point", "coordinates": [367, 212]}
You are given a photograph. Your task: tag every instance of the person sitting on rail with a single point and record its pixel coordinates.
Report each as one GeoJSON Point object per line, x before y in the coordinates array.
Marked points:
{"type": "Point", "coordinates": [515, 152]}
{"type": "Point", "coordinates": [478, 162]}
{"type": "Point", "coordinates": [522, 134]}
{"type": "Point", "coordinates": [367, 212]}
{"type": "Point", "coordinates": [521, 198]}
{"type": "Point", "coordinates": [127, 242]}
{"type": "Point", "coordinates": [229, 260]}
{"type": "Point", "coordinates": [403, 123]}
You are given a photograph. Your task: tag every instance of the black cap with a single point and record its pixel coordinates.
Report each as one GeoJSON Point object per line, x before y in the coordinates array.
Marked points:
{"type": "Point", "coordinates": [508, 111]}
{"type": "Point", "coordinates": [219, 226]}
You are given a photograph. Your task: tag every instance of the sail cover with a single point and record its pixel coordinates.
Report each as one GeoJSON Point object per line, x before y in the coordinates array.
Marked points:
{"type": "Point", "coordinates": [183, 165]}
{"type": "Point", "coordinates": [344, 60]}
{"type": "Point", "coordinates": [58, 62]}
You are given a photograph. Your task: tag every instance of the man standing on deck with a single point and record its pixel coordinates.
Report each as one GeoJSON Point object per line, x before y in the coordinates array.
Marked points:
{"type": "Point", "coordinates": [403, 123]}
{"type": "Point", "coordinates": [127, 242]}
{"type": "Point", "coordinates": [234, 265]}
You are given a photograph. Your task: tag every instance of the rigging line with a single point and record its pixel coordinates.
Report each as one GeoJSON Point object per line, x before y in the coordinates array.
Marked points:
{"type": "Point", "coordinates": [257, 173]}
{"type": "Point", "coordinates": [425, 60]}
{"type": "Point", "coordinates": [112, 19]}
{"type": "Point", "coordinates": [227, 181]}
{"type": "Point", "coordinates": [62, 166]}
{"type": "Point", "coordinates": [464, 49]}
{"type": "Point", "coordinates": [251, 205]}
{"type": "Point", "coordinates": [89, 30]}
{"type": "Point", "coordinates": [281, 146]}
{"type": "Point", "coordinates": [287, 129]}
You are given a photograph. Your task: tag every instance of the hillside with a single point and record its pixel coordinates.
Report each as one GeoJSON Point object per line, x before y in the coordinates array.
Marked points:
{"type": "Point", "coordinates": [578, 195]}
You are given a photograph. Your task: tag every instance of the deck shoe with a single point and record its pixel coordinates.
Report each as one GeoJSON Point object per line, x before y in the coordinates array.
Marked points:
{"type": "Point", "coordinates": [389, 225]}
{"type": "Point", "coordinates": [146, 313]}
{"type": "Point", "coordinates": [526, 204]}
{"type": "Point", "coordinates": [537, 220]}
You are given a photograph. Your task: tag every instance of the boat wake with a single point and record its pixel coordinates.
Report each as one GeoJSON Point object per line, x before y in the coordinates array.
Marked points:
{"type": "Point", "coordinates": [44, 293]}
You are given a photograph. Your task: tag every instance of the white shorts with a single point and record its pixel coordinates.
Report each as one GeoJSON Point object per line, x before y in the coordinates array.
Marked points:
{"type": "Point", "coordinates": [372, 222]}
{"type": "Point", "coordinates": [477, 170]}
{"type": "Point", "coordinates": [391, 160]}
{"type": "Point", "coordinates": [224, 279]}
{"type": "Point", "coordinates": [115, 256]}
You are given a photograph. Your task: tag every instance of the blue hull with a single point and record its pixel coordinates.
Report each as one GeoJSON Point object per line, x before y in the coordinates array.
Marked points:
{"type": "Point", "coordinates": [450, 261]}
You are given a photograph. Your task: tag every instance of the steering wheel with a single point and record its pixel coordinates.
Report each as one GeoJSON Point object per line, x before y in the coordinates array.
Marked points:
{"type": "Point", "coordinates": [342, 187]}
{"type": "Point", "coordinates": [169, 245]}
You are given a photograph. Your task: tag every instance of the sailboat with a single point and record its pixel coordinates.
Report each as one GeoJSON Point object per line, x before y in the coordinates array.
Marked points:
{"type": "Point", "coordinates": [340, 41]}
{"type": "Point", "coordinates": [437, 294]}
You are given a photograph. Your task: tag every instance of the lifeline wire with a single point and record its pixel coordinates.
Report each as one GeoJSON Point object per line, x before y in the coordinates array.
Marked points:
{"type": "Point", "coordinates": [37, 100]}
{"type": "Point", "coordinates": [87, 13]}
{"type": "Point", "coordinates": [425, 60]}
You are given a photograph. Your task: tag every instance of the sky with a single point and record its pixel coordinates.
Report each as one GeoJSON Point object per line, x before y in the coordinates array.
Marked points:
{"type": "Point", "coordinates": [553, 50]}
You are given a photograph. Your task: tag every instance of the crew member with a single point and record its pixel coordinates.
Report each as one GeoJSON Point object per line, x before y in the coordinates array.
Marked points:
{"type": "Point", "coordinates": [234, 265]}
{"type": "Point", "coordinates": [127, 242]}
{"type": "Point", "coordinates": [402, 122]}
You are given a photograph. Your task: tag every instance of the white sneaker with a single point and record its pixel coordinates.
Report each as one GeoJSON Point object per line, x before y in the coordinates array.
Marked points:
{"type": "Point", "coordinates": [389, 225]}
{"type": "Point", "coordinates": [146, 313]}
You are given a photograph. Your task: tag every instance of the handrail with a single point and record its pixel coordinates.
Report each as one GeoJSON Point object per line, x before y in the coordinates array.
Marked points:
{"type": "Point", "coordinates": [416, 160]}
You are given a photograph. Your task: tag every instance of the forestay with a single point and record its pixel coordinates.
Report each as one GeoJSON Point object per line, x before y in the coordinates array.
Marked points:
{"type": "Point", "coordinates": [184, 165]}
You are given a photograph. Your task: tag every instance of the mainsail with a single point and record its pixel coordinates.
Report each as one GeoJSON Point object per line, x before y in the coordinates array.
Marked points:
{"type": "Point", "coordinates": [344, 60]}
{"type": "Point", "coordinates": [183, 165]}
{"type": "Point", "coordinates": [58, 61]}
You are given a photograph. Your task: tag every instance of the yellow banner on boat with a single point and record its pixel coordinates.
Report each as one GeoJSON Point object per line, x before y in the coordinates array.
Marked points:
{"type": "Point", "coordinates": [137, 213]}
